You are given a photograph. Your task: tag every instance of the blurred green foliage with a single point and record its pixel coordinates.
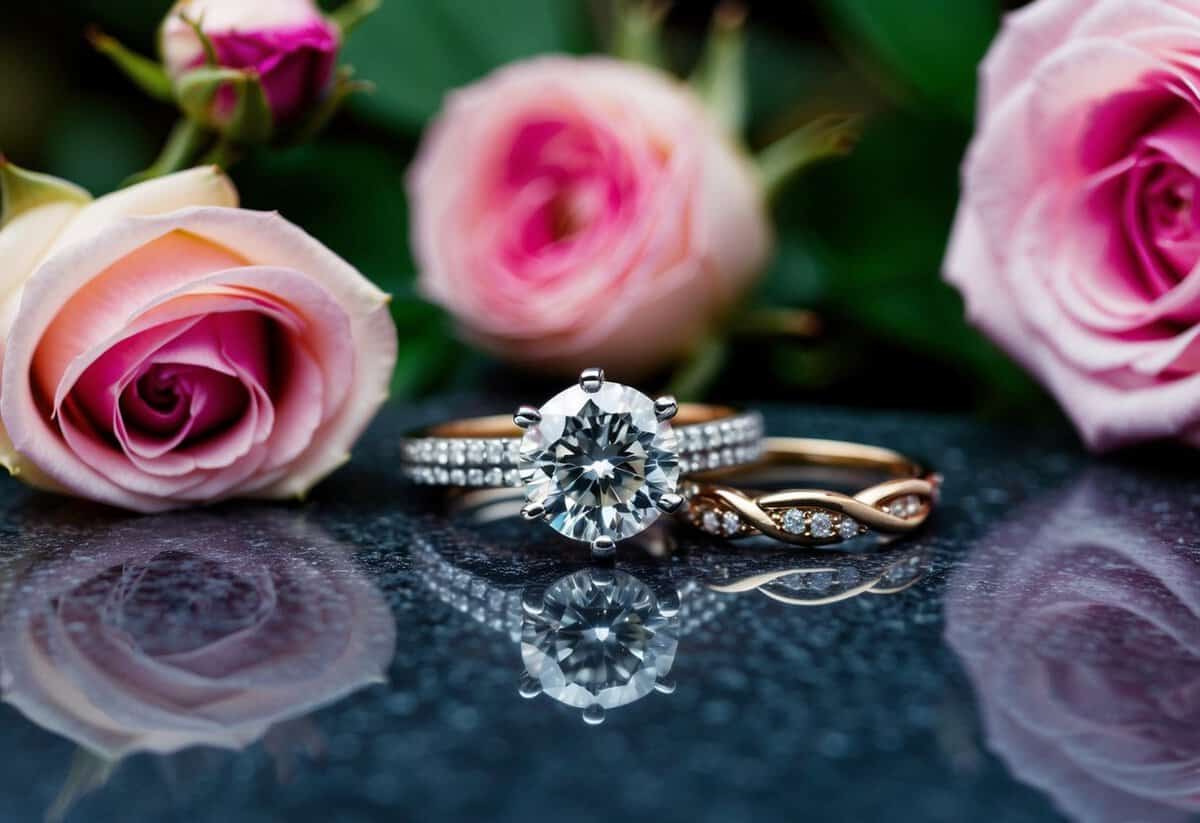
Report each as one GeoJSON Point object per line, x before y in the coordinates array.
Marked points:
{"type": "Point", "coordinates": [860, 239]}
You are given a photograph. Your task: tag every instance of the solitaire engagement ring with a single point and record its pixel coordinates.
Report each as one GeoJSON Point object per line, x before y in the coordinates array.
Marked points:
{"type": "Point", "coordinates": [599, 461]}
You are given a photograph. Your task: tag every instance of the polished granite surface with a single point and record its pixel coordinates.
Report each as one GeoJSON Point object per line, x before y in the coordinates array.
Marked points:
{"type": "Point", "coordinates": [1034, 655]}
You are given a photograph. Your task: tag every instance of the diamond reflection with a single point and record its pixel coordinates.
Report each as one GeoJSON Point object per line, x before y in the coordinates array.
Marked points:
{"type": "Point", "coordinates": [598, 639]}
{"type": "Point", "coordinates": [165, 633]}
{"type": "Point", "coordinates": [1079, 626]}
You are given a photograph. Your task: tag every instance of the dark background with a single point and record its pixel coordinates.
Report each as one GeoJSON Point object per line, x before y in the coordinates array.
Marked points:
{"type": "Point", "coordinates": [860, 239]}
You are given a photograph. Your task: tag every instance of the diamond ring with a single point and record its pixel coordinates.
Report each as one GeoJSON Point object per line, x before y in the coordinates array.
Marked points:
{"type": "Point", "coordinates": [599, 462]}
{"type": "Point", "coordinates": [813, 516]}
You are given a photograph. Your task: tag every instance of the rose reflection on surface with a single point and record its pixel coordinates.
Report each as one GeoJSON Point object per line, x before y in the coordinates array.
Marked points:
{"type": "Point", "coordinates": [159, 634]}
{"type": "Point", "coordinates": [1079, 626]}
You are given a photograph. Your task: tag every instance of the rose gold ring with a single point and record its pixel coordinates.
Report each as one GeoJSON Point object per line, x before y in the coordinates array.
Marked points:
{"type": "Point", "coordinates": [719, 503]}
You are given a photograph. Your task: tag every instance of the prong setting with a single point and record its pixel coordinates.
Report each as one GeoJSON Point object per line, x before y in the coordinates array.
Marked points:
{"type": "Point", "coordinates": [528, 687]}
{"type": "Point", "coordinates": [669, 603]}
{"type": "Point", "coordinates": [533, 602]}
{"type": "Point", "coordinates": [533, 511]}
{"type": "Point", "coordinates": [665, 407]}
{"type": "Point", "coordinates": [527, 417]}
{"type": "Point", "coordinates": [590, 380]}
{"type": "Point", "coordinates": [670, 502]}
{"type": "Point", "coordinates": [603, 546]}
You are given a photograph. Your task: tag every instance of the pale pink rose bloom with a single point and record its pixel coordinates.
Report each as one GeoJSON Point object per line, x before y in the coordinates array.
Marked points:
{"type": "Point", "coordinates": [1079, 626]}
{"type": "Point", "coordinates": [1078, 236]}
{"type": "Point", "coordinates": [288, 43]}
{"type": "Point", "coordinates": [571, 212]}
{"type": "Point", "coordinates": [162, 635]}
{"type": "Point", "coordinates": [162, 348]}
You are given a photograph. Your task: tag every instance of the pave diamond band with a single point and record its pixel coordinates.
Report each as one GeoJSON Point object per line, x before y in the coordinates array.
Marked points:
{"type": "Point", "coordinates": [813, 516]}
{"type": "Point", "coordinates": [491, 462]}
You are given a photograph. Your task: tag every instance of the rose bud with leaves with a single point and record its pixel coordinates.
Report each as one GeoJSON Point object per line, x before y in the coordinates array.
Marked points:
{"type": "Point", "coordinates": [249, 73]}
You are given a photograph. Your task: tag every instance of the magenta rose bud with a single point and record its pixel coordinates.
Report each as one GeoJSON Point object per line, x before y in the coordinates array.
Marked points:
{"type": "Point", "coordinates": [1077, 240]}
{"type": "Point", "coordinates": [288, 44]}
{"type": "Point", "coordinates": [162, 347]}
{"type": "Point", "coordinates": [575, 211]}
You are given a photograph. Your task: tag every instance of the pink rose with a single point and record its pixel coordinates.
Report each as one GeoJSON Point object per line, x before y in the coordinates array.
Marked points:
{"type": "Point", "coordinates": [288, 43]}
{"type": "Point", "coordinates": [1079, 625]}
{"type": "Point", "coordinates": [162, 347]}
{"type": "Point", "coordinates": [199, 630]}
{"type": "Point", "coordinates": [575, 211]}
{"type": "Point", "coordinates": [1078, 236]}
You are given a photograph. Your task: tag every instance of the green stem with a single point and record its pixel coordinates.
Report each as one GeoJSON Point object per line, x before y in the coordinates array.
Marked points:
{"type": "Point", "coordinates": [224, 154]}
{"type": "Point", "coordinates": [696, 375]}
{"type": "Point", "coordinates": [186, 141]}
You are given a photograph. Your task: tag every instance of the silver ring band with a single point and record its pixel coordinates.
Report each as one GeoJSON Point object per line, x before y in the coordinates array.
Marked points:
{"type": "Point", "coordinates": [491, 462]}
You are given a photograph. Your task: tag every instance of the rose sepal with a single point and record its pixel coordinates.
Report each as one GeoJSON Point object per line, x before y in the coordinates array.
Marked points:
{"type": "Point", "coordinates": [720, 76]}
{"type": "Point", "coordinates": [251, 120]}
{"type": "Point", "coordinates": [637, 32]}
{"type": "Point", "coordinates": [344, 85]}
{"type": "Point", "coordinates": [833, 135]}
{"type": "Point", "coordinates": [148, 75]}
{"type": "Point", "coordinates": [22, 190]}
{"type": "Point", "coordinates": [351, 15]}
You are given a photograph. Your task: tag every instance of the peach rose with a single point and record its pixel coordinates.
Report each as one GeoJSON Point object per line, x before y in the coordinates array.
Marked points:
{"type": "Point", "coordinates": [575, 211]}
{"type": "Point", "coordinates": [1078, 623]}
{"type": "Point", "coordinates": [162, 347]}
{"type": "Point", "coordinates": [159, 635]}
{"type": "Point", "coordinates": [1077, 242]}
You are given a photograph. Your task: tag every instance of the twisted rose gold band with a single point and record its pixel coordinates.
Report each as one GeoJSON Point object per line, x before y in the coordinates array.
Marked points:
{"type": "Point", "coordinates": [810, 517]}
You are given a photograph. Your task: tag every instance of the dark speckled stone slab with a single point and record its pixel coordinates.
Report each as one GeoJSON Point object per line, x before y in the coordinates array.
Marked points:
{"type": "Point", "coordinates": [1034, 655]}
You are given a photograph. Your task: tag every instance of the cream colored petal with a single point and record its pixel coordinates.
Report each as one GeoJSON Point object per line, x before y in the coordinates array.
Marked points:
{"type": "Point", "coordinates": [201, 186]}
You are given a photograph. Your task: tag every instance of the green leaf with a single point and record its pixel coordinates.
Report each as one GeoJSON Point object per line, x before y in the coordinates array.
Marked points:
{"type": "Point", "coordinates": [416, 52]}
{"type": "Point", "coordinates": [932, 47]}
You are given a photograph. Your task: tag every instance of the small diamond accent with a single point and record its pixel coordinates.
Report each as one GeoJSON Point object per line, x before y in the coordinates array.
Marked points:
{"type": "Point", "coordinates": [793, 521]}
{"type": "Point", "coordinates": [847, 528]}
{"type": "Point", "coordinates": [710, 522]}
{"type": "Point", "coordinates": [494, 451]}
{"type": "Point", "coordinates": [821, 524]}
{"type": "Point", "coordinates": [731, 522]}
